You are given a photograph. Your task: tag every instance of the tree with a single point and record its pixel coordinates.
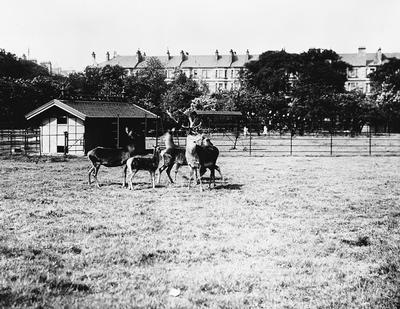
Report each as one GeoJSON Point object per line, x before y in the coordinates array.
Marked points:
{"type": "Point", "coordinates": [94, 81]}
{"type": "Point", "coordinates": [386, 92]}
{"type": "Point", "coordinates": [272, 72]}
{"type": "Point", "coordinates": [11, 66]}
{"type": "Point", "coordinates": [20, 96]}
{"type": "Point", "coordinates": [147, 86]}
{"type": "Point", "coordinates": [180, 94]}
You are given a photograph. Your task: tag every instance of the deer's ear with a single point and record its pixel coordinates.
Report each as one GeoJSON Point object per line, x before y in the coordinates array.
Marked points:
{"type": "Point", "coordinates": [126, 130]}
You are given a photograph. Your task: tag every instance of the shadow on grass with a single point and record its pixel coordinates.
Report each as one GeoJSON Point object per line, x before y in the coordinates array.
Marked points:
{"type": "Point", "coordinates": [361, 241]}
{"type": "Point", "coordinates": [229, 186]}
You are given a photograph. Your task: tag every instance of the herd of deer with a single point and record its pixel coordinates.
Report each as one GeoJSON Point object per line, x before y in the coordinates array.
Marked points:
{"type": "Point", "coordinates": [199, 154]}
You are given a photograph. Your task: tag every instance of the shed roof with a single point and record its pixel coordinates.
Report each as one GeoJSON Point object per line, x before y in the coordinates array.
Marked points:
{"type": "Point", "coordinates": [94, 109]}
{"type": "Point", "coordinates": [219, 113]}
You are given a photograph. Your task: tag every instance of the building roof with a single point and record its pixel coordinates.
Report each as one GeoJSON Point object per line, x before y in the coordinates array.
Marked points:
{"type": "Point", "coordinates": [94, 109]}
{"type": "Point", "coordinates": [219, 113]}
{"type": "Point", "coordinates": [365, 59]}
{"type": "Point", "coordinates": [230, 60]}
{"type": "Point", "coordinates": [188, 61]}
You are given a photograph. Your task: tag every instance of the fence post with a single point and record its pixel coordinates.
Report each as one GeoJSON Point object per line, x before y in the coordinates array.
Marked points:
{"type": "Point", "coordinates": [117, 130]}
{"type": "Point", "coordinates": [26, 141]}
{"type": "Point", "coordinates": [331, 143]}
{"type": "Point", "coordinates": [291, 143]}
{"type": "Point", "coordinates": [250, 142]}
{"type": "Point", "coordinates": [145, 131]}
{"type": "Point", "coordinates": [40, 142]}
{"type": "Point", "coordinates": [370, 142]}
{"type": "Point", "coordinates": [157, 131]}
{"type": "Point", "coordinates": [11, 141]}
{"type": "Point", "coordinates": [65, 143]}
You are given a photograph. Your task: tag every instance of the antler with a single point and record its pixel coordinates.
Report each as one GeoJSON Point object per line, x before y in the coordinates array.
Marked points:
{"type": "Point", "coordinates": [171, 116]}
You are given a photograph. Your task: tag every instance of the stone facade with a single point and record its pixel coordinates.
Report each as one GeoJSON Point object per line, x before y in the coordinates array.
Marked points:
{"type": "Point", "coordinates": [221, 72]}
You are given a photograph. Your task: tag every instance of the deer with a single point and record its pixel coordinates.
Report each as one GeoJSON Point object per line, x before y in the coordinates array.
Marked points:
{"type": "Point", "coordinates": [208, 154]}
{"type": "Point", "coordinates": [171, 156]}
{"type": "Point", "coordinates": [200, 153]}
{"type": "Point", "coordinates": [139, 162]}
{"type": "Point", "coordinates": [110, 157]}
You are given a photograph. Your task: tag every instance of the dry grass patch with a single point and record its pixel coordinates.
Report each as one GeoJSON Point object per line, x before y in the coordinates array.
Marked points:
{"type": "Point", "coordinates": [279, 233]}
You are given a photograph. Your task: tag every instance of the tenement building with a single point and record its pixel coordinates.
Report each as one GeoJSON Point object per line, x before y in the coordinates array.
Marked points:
{"type": "Point", "coordinates": [221, 71]}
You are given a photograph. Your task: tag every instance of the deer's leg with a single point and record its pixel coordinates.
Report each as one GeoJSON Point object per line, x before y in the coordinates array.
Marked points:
{"type": "Point", "coordinates": [160, 170]}
{"type": "Point", "coordinates": [130, 179]}
{"type": "Point", "coordinates": [151, 179]}
{"type": "Point", "coordinates": [190, 176]}
{"type": "Point", "coordinates": [203, 170]}
{"type": "Point", "coordinates": [124, 183]}
{"type": "Point", "coordinates": [219, 171]}
{"type": "Point", "coordinates": [212, 176]}
{"type": "Point", "coordinates": [90, 174]}
{"type": "Point", "coordinates": [95, 175]}
{"type": "Point", "coordinates": [212, 173]}
{"type": "Point", "coordinates": [169, 168]}
{"type": "Point", "coordinates": [177, 166]}
{"type": "Point", "coordinates": [198, 174]}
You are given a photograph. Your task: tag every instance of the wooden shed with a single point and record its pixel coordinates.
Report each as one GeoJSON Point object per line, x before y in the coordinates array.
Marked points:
{"type": "Point", "coordinates": [220, 120]}
{"type": "Point", "coordinates": [77, 126]}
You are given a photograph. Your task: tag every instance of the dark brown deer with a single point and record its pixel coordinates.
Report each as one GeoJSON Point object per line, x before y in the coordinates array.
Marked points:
{"type": "Point", "coordinates": [110, 157]}
{"type": "Point", "coordinates": [143, 163]}
{"type": "Point", "coordinates": [208, 155]}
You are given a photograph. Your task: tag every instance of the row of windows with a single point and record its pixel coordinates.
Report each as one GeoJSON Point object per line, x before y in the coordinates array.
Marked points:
{"type": "Point", "coordinates": [364, 87]}
{"type": "Point", "coordinates": [207, 73]}
{"type": "Point", "coordinates": [360, 72]}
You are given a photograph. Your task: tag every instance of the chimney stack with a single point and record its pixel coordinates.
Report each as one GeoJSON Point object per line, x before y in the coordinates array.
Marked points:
{"type": "Point", "coordinates": [232, 55]}
{"type": "Point", "coordinates": [247, 55]}
{"type": "Point", "coordinates": [168, 55]}
{"type": "Point", "coordinates": [379, 56]}
{"type": "Point", "coordinates": [361, 50]}
{"type": "Point", "coordinates": [108, 56]}
{"type": "Point", "coordinates": [183, 55]}
{"type": "Point", "coordinates": [94, 58]}
{"type": "Point", "coordinates": [139, 57]}
{"type": "Point", "coordinates": [216, 55]}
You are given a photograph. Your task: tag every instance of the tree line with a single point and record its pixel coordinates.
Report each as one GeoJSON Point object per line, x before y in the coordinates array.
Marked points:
{"type": "Point", "coordinates": [283, 91]}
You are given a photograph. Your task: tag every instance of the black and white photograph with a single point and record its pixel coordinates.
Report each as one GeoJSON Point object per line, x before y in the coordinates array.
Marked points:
{"type": "Point", "coordinates": [200, 154]}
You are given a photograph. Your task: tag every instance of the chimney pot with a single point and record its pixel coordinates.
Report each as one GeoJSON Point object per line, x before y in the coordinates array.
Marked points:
{"type": "Point", "coordinates": [216, 54]}
{"type": "Point", "coordinates": [182, 55]}
{"type": "Point", "coordinates": [138, 56]}
{"type": "Point", "coordinates": [108, 56]}
{"type": "Point", "coordinates": [379, 56]}
{"type": "Point", "coordinates": [361, 50]}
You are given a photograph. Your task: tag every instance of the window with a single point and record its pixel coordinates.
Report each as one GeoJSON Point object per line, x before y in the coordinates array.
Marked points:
{"type": "Point", "coordinates": [205, 74]}
{"type": "Point", "coordinates": [60, 149]}
{"type": "Point", "coordinates": [195, 73]}
{"type": "Point", "coordinates": [62, 120]}
{"type": "Point", "coordinates": [352, 73]}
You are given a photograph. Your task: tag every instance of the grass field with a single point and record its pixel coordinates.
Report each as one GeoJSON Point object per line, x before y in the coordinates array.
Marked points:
{"type": "Point", "coordinates": [280, 232]}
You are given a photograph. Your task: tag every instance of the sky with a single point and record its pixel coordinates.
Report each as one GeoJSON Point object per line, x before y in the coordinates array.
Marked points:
{"type": "Point", "coordinates": [66, 32]}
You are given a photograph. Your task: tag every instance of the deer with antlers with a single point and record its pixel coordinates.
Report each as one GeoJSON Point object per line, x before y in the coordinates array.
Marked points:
{"type": "Point", "coordinates": [111, 157]}
{"type": "Point", "coordinates": [200, 153]}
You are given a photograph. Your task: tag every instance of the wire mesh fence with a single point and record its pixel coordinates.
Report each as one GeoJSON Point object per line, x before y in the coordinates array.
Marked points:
{"type": "Point", "coordinates": [19, 141]}
{"type": "Point", "coordinates": [338, 144]}
{"type": "Point", "coordinates": [33, 142]}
